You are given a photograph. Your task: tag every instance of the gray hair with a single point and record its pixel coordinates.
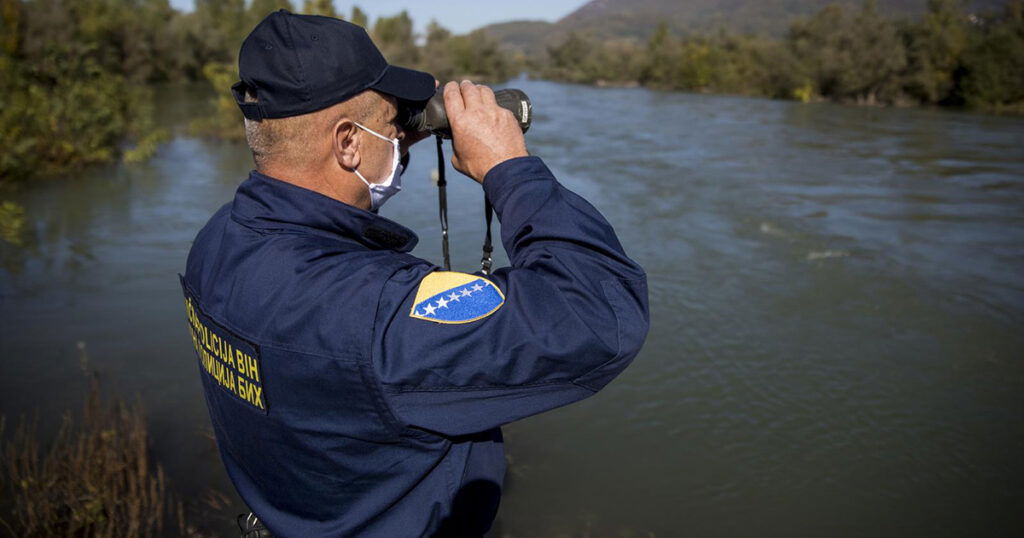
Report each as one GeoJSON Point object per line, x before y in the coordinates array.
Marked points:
{"type": "Point", "coordinates": [290, 141]}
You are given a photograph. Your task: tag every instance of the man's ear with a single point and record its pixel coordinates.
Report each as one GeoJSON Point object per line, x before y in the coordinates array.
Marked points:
{"type": "Point", "coordinates": [346, 144]}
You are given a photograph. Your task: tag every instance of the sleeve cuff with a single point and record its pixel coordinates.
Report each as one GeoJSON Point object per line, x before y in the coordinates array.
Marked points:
{"type": "Point", "coordinates": [501, 180]}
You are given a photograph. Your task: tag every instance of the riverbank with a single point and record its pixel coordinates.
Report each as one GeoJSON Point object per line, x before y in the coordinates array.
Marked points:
{"type": "Point", "coordinates": [951, 58]}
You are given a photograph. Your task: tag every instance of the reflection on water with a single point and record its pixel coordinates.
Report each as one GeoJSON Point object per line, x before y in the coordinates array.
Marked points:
{"type": "Point", "coordinates": [837, 305]}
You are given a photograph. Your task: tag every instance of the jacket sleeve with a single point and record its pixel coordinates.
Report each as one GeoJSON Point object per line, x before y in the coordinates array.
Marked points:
{"type": "Point", "coordinates": [574, 315]}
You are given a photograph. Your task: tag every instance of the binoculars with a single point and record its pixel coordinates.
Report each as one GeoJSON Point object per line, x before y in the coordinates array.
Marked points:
{"type": "Point", "coordinates": [432, 117]}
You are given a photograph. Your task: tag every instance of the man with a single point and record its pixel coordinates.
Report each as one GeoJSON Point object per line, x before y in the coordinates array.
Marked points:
{"type": "Point", "coordinates": [354, 389]}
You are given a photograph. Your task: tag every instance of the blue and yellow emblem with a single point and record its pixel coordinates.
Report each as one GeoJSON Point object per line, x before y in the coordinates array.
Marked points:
{"type": "Point", "coordinates": [447, 297]}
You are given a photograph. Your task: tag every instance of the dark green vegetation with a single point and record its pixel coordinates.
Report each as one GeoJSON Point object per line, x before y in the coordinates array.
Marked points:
{"type": "Point", "coordinates": [949, 57]}
{"type": "Point", "coordinates": [75, 75]}
{"type": "Point", "coordinates": [68, 76]}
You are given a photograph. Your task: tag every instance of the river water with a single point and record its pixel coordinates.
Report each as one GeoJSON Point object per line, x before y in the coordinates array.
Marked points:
{"type": "Point", "coordinates": [837, 299]}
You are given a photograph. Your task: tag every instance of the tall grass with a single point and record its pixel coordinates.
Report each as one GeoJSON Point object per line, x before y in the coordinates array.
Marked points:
{"type": "Point", "coordinates": [95, 478]}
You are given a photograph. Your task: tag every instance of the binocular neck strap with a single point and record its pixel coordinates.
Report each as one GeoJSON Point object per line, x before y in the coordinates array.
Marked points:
{"type": "Point", "coordinates": [442, 200]}
{"type": "Point", "coordinates": [486, 261]}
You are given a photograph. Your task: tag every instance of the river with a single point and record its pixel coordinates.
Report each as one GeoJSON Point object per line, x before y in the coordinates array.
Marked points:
{"type": "Point", "coordinates": [837, 343]}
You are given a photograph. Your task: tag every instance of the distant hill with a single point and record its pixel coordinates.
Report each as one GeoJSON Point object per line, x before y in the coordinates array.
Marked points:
{"type": "Point", "coordinates": [636, 19]}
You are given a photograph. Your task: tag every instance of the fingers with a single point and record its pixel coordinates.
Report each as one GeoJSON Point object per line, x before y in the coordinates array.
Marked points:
{"type": "Point", "coordinates": [453, 102]}
{"type": "Point", "coordinates": [483, 133]}
{"type": "Point", "coordinates": [487, 96]}
{"type": "Point", "coordinates": [470, 94]}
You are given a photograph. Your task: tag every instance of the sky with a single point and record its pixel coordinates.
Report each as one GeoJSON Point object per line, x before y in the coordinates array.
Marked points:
{"type": "Point", "coordinates": [459, 16]}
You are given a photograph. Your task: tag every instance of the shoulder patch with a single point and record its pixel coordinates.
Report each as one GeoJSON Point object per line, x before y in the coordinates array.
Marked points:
{"type": "Point", "coordinates": [449, 297]}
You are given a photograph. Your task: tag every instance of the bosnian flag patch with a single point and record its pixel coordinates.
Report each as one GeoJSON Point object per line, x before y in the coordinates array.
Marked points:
{"type": "Point", "coordinates": [448, 297]}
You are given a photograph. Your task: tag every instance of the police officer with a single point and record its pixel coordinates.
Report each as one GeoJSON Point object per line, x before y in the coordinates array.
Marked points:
{"type": "Point", "coordinates": [357, 390]}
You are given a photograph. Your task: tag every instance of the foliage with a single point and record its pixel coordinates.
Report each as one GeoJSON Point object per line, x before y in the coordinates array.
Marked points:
{"type": "Point", "coordinates": [934, 52]}
{"type": "Point", "coordinates": [950, 57]}
{"type": "Point", "coordinates": [993, 64]}
{"type": "Point", "coordinates": [258, 9]}
{"type": "Point", "coordinates": [95, 478]}
{"type": "Point", "coordinates": [850, 56]}
{"type": "Point", "coordinates": [581, 59]}
{"type": "Point", "coordinates": [319, 7]}
{"type": "Point", "coordinates": [75, 74]}
{"type": "Point", "coordinates": [225, 121]}
{"type": "Point", "coordinates": [359, 17]}
{"type": "Point", "coordinates": [394, 36]}
{"type": "Point", "coordinates": [68, 73]}
{"type": "Point", "coordinates": [474, 56]}
{"type": "Point", "coordinates": [12, 223]}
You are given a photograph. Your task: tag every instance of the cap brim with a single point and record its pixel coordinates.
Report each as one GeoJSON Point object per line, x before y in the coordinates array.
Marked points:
{"type": "Point", "coordinates": [407, 84]}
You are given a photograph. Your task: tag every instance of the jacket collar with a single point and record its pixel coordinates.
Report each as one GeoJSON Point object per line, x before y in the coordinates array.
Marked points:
{"type": "Point", "coordinates": [265, 203]}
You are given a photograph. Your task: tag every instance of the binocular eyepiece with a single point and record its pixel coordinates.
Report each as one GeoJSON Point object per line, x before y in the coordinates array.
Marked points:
{"type": "Point", "coordinates": [432, 117]}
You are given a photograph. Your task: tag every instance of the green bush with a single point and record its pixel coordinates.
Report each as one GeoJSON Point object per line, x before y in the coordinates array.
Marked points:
{"type": "Point", "coordinates": [67, 103]}
{"type": "Point", "coordinates": [950, 57]}
{"type": "Point", "coordinates": [993, 64]}
{"type": "Point", "coordinates": [225, 122]}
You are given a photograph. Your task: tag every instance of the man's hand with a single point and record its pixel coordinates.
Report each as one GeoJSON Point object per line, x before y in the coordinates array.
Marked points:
{"type": "Point", "coordinates": [483, 133]}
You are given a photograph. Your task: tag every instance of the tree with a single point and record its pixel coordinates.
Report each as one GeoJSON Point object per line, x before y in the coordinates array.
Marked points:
{"type": "Point", "coordinates": [394, 37]}
{"type": "Point", "coordinates": [566, 59]}
{"type": "Point", "coordinates": [359, 18]}
{"type": "Point", "coordinates": [477, 56]}
{"type": "Point", "coordinates": [319, 7]}
{"type": "Point", "coordinates": [148, 44]}
{"type": "Point", "coordinates": [936, 49]}
{"type": "Point", "coordinates": [994, 62]}
{"type": "Point", "coordinates": [662, 59]}
{"type": "Point", "coordinates": [67, 96]}
{"type": "Point", "coordinates": [259, 9]}
{"type": "Point", "coordinates": [436, 57]}
{"type": "Point", "coordinates": [10, 35]}
{"type": "Point", "coordinates": [217, 30]}
{"type": "Point", "coordinates": [851, 56]}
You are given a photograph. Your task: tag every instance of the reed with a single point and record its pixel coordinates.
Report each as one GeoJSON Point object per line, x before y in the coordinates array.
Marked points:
{"type": "Point", "coordinates": [95, 478]}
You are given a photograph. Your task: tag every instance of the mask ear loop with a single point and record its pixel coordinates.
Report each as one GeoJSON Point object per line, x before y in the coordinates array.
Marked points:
{"type": "Point", "coordinates": [442, 202]}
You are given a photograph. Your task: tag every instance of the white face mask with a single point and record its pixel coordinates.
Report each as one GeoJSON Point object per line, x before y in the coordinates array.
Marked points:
{"type": "Point", "coordinates": [380, 192]}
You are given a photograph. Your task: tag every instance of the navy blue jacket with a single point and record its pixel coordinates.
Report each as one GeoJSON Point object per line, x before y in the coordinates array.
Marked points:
{"type": "Point", "coordinates": [356, 390]}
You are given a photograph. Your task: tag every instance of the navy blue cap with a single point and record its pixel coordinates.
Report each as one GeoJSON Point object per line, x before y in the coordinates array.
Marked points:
{"type": "Point", "coordinates": [296, 64]}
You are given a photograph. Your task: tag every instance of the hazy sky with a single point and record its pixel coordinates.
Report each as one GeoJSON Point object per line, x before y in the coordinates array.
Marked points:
{"type": "Point", "coordinates": [459, 16]}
